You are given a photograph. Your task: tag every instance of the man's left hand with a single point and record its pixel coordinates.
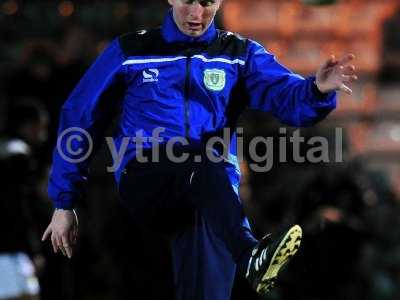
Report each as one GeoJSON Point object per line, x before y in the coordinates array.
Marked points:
{"type": "Point", "coordinates": [334, 75]}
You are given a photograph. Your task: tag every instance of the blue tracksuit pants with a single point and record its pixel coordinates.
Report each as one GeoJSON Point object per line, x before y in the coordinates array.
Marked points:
{"type": "Point", "coordinates": [195, 205]}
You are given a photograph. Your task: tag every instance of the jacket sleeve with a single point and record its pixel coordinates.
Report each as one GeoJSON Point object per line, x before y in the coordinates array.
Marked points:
{"type": "Point", "coordinates": [84, 118]}
{"type": "Point", "coordinates": [295, 101]}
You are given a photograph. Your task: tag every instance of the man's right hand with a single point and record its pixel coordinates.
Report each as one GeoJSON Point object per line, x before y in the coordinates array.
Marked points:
{"type": "Point", "coordinates": [63, 229]}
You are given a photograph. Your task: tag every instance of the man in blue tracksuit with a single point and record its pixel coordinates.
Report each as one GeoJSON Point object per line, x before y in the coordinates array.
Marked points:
{"type": "Point", "coordinates": [186, 80]}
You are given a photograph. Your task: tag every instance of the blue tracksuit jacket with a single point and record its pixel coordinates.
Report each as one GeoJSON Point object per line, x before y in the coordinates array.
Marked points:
{"type": "Point", "coordinates": [192, 87]}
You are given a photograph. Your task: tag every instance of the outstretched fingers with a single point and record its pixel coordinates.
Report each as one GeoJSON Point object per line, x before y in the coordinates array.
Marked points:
{"type": "Point", "coordinates": [334, 74]}
{"type": "Point", "coordinates": [330, 62]}
{"type": "Point", "coordinates": [349, 78]}
{"type": "Point", "coordinates": [54, 242]}
{"type": "Point", "coordinates": [46, 233]}
{"type": "Point", "coordinates": [66, 245]}
{"type": "Point", "coordinates": [345, 59]}
{"type": "Point", "coordinates": [346, 89]}
{"type": "Point", "coordinates": [60, 245]}
{"type": "Point", "coordinates": [349, 70]}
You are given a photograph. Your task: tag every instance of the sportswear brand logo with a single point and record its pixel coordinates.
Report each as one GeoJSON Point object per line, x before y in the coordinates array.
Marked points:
{"type": "Point", "coordinates": [214, 79]}
{"type": "Point", "coordinates": [150, 75]}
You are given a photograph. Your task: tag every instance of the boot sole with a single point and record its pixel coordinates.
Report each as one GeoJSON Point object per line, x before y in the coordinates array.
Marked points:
{"type": "Point", "coordinates": [286, 249]}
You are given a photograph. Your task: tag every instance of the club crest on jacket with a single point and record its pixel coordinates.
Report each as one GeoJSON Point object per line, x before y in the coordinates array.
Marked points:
{"type": "Point", "coordinates": [214, 79]}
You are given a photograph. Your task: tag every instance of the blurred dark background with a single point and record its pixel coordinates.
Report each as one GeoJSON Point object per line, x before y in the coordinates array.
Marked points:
{"type": "Point", "coordinates": [350, 210]}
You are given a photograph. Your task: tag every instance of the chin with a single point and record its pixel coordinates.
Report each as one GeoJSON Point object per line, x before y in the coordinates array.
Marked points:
{"type": "Point", "coordinates": [195, 34]}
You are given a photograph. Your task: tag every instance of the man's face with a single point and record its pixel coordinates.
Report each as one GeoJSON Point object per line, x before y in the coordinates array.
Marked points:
{"type": "Point", "coordinates": [193, 17]}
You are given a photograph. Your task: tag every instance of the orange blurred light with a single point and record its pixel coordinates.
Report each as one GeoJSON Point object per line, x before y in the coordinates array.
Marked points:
{"type": "Point", "coordinates": [66, 8]}
{"type": "Point", "coordinates": [10, 7]}
{"type": "Point", "coordinates": [332, 214]}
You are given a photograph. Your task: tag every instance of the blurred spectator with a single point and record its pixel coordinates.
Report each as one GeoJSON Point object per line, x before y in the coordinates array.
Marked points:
{"type": "Point", "coordinates": [349, 216]}
{"type": "Point", "coordinates": [330, 206]}
{"type": "Point", "coordinates": [20, 252]}
{"type": "Point", "coordinates": [48, 72]}
{"type": "Point", "coordinates": [35, 74]}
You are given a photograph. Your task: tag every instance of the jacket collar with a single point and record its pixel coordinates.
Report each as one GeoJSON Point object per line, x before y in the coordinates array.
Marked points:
{"type": "Point", "coordinates": [172, 34]}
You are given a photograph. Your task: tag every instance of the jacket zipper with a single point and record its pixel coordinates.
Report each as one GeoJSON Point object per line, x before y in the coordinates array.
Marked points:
{"type": "Point", "coordinates": [187, 94]}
